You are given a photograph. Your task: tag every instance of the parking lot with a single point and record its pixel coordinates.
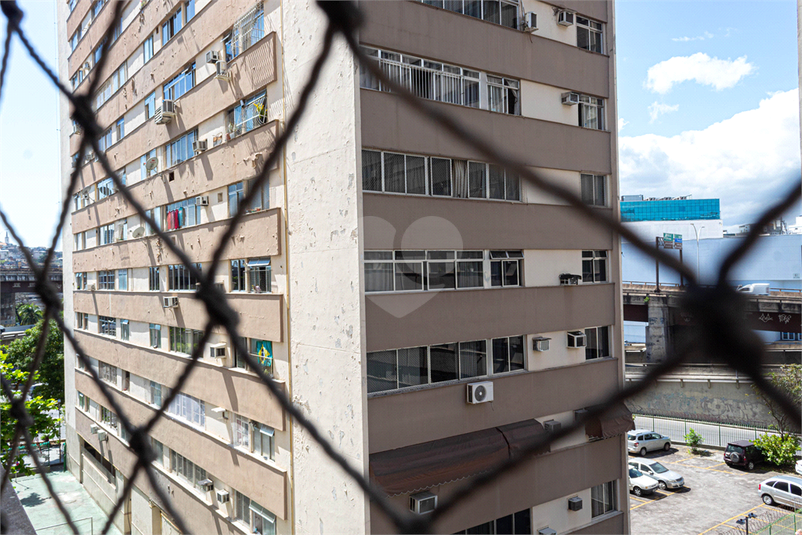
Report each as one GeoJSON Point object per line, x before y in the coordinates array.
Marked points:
{"type": "Point", "coordinates": [714, 497]}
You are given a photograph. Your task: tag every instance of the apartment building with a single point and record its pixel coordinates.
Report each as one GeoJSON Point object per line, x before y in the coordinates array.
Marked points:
{"type": "Point", "coordinates": [430, 312]}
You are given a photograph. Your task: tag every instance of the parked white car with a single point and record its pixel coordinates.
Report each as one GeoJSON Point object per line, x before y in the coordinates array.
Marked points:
{"type": "Point", "coordinates": [666, 479]}
{"type": "Point", "coordinates": [640, 484]}
{"type": "Point", "coordinates": [798, 467]}
{"type": "Point", "coordinates": [643, 440]}
{"type": "Point", "coordinates": [785, 490]}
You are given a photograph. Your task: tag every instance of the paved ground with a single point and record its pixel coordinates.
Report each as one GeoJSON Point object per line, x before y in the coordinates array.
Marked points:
{"type": "Point", "coordinates": [44, 513]}
{"type": "Point", "coordinates": [714, 497]}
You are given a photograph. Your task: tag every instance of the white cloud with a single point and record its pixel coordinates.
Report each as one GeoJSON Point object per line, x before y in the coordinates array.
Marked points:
{"type": "Point", "coordinates": [748, 161]}
{"type": "Point", "coordinates": [706, 35]}
{"type": "Point", "coordinates": [658, 108]}
{"type": "Point", "coordinates": [622, 123]}
{"type": "Point", "coordinates": [699, 67]}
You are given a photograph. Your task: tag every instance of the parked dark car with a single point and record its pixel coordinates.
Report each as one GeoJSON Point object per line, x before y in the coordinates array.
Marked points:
{"type": "Point", "coordinates": [742, 453]}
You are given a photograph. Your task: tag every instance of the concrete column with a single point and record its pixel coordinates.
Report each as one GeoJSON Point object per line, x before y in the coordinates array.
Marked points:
{"type": "Point", "coordinates": [657, 333]}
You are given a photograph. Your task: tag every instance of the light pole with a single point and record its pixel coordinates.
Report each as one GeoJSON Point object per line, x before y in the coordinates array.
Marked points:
{"type": "Point", "coordinates": [696, 231]}
{"type": "Point", "coordinates": [745, 520]}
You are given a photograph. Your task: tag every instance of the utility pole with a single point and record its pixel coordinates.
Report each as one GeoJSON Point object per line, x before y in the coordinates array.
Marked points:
{"type": "Point", "coordinates": [657, 240]}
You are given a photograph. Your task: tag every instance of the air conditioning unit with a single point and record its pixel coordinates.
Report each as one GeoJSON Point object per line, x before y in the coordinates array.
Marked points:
{"type": "Point", "coordinates": [206, 484]}
{"type": "Point", "coordinates": [222, 72]}
{"type": "Point", "coordinates": [552, 425]}
{"type": "Point", "coordinates": [166, 112]}
{"type": "Point", "coordinates": [222, 496]}
{"type": "Point", "coordinates": [540, 343]}
{"type": "Point", "coordinates": [200, 145]}
{"type": "Point", "coordinates": [202, 200]}
{"type": "Point", "coordinates": [546, 531]}
{"type": "Point", "coordinates": [580, 413]}
{"type": "Point", "coordinates": [576, 339]}
{"type": "Point", "coordinates": [169, 302]}
{"type": "Point", "coordinates": [94, 428]}
{"type": "Point", "coordinates": [102, 436]}
{"type": "Point", "coordinates": [565, 18]}
{"type": "Point", "coordinates": [212, 56]}
{"type": "Point", "coordinates": [422, 503]}
{"type": "Point", "coordinates": [575, 503]}
{"type": "Point", "coordinates": [91, 287]}
{"type": "Point", "coordinates": [217, 351]}
{"type": "Point", "coordinates": [480, 392]}
{"type": "Point", "coordinates": [569, 279]}
{"type": "Point", "coordinates": [570, 99]}
{"type": "Point", "coordinates": [529, 23]}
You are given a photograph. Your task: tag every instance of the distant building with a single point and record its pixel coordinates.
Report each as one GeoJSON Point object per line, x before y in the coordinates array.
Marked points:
{"type": "Point", "coordinates": [652, 217]}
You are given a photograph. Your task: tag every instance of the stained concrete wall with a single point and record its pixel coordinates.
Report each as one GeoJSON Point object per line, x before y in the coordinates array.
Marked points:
{"type": "Point", "coordinates": [716, 402]}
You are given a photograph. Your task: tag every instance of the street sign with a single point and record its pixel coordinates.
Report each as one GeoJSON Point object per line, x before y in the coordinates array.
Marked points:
{"type": "Point", "coordinates": [677, 241]}
{"type": "Point", "coordinates": [668, 240]}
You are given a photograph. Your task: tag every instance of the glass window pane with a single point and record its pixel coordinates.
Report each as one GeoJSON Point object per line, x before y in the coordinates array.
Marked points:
{"type": "Point", "coordinates": [441, 275]}
{"type": "Point", "coordinates": [473, 358]}
{"type": "Point", "coordinates": [382, 371]}
{"type": "Point", "coordinates": [495, 273]}
{"type": "Point", "coordinates": [444, 362]}
{"type": "Point", "coordinates": [469, 274]}
{"type": "Point", "coordinates": [473, 8]}
{"type": "Point", "coordinates": [394, 172]}
{"type": "Point", "coordinates": [496, 174]}
{"type": "Point", "coordinates": [412, 367]}
{"type": "Point", "coordinates": [512, 186]}
{"type": "Point", "coordinates": [476, 178]}
{"type": "Point", "coordinates": [440, 177]}
{"type": "Point", "coordinates": [509, 18]}
{"type": "Point", "coordinates": [601, 194]}
{"type": "Point", "coordinates": [587, 189]}
{"type": "Point", "coordinates": [523, 521]}
{"type": "Point", "coordinates": [500, 355]}
{"type": "Point", "coordinates": [416, 175]}
{"type": "Point", "coordinates": [511, 273]}
{"type": "Point", "coordinates": [408, 276]}
{"type": "Point", "coordinates": [378, 277]}
{"type": "Point", "coordinates": [516, 353]}
{"type": "Point", "coordinates": [491, 11]}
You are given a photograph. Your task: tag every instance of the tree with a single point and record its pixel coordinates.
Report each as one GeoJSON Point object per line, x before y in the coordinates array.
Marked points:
{"type": "Point", "coordinates": [28, 314]}
{"type": "Point", "coordinates": [45, 423]}
{"type": "Point", "coordinates": [788, 380]}
{"type": "Point", "coordinates": [778, 450]}
{"type": "Point", "coordinates": [22, 351]}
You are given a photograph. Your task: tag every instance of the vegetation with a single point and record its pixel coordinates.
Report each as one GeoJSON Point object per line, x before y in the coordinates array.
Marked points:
{"type": "Point", "coordinates": [788, 380]}
{"type": "Point", "coordinates": [45, 425]}
{"type": "Point", "coordinates": [693, 439]}
{"type": "Point", "coordinates": [22, 351]}
{"type": "Point", "coordinates": [777, 449]}
{"type": "Point", "coordinates": [28, 314]}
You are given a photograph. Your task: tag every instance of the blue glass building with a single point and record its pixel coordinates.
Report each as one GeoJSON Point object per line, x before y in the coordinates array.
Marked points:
{"type": "Point", "coordinates": [670, 210]}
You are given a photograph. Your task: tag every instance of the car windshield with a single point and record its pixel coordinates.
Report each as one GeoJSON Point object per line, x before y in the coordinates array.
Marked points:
{"type": "Point", "coordinates": [634, 473]}
{"type": "Point", "coordinates": [659, 468]}
{"type": "Point", "coordinates": [733, 448]}
{"type": "Point", "coordinates": [630, 436]}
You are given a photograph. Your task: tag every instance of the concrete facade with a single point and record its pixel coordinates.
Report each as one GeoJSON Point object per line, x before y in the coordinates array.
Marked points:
{"type": "Point", "coordinates": [308, 267]}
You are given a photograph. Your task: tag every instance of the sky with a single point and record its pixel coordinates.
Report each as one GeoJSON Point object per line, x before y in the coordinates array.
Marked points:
{"type": "Point", "coordinates": [707, 106]}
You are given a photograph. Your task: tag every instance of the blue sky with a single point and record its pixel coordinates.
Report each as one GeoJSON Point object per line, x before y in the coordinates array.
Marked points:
{"type": "Point", "coordinates": [731, 132]}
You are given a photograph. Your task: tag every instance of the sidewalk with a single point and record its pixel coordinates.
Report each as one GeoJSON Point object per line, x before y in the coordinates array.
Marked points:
{"type": "Point", "coordinates": [44, 513]}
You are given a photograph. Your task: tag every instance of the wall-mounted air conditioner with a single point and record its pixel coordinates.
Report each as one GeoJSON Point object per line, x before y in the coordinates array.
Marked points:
{"type": "Point", "coordinates": [575, 503]}
{"type": "Point", "coordinates": [529, 23]}
{"type": "Point", "coordinates": [422, 503]}
{"type": "Point", "coordinates": [222, 496]}
{"type": "Point", "coordinates": [212, 56]}
{"type": "Point", "coordinates": [166, 112]}
{"type": "Point", "coordinates": [576, 339]}
{"type": "Point", "coordinates": [580, 413]}
{"type": "Point", "coordinates": [570, 279]}
{"type": "Point", "coordinates": [91, 287]}
{"type": "Point", "coordinates": [169, 302]}
{"type": "Point", "coordinates": [206, 484]}
{"type": "Point", "coordinates": [221, 73]}
{"type": "Point", "coordinates": [569, 99]}
{"type": "Point", "coordinates": [202, 200]}
{"type": "Point", "coordinates": [565, 18]}
{"type": "Point", "coordinates": [217, 351]}
{"type": "Point", "coordinates": [102, 436]}
{"type": "Point", "coordinates": [94, 428]}
{"type": "Point", "coordinates": [200, 145]}
{"type": "Point", "coordinates": [552, 425]}
{"type": "Point", "coordinates": [480, 392]}
{"type": "Point", "coordinates": [546, 531]}
{"type": "Point", "coordinates": [540, 343]}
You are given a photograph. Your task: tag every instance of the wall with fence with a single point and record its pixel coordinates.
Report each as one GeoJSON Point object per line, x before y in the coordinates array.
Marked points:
{"type": "Point", "coordinates": [713, 435]}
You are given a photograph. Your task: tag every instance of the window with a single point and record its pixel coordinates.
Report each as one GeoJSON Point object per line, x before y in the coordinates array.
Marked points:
{"type": "Point", "coordinates": [251, 114]}
{"type": "Point", "coordinates": [180, 84]}
{"type": "Point", "coordinates": [184, 340]}
{"type": "Point", "coordinates": [503, 12]}
{"type": "Point", "coordinates": [122, 279]}
{"type": "Point", "coordinates": [263, 440]}
{"type": "Point", "coordinates": [261, 199]}
{"type": "Point", "coordinates": [236, 192]}
{"type": "Point", "coordinates": [107, 372]}
{"type": "Point", "coordinates": [147, 49]}
{"type": "Point", "coordinates": [518, 523]}
{"type": "Point", "coordinates": [171, 27]}
{"type": "Point", "coordinates": [401, 368]}
{"type": "Point", "coordinates": [82, 402]}
{"type": "Point", "coordinates": [182, 214]}
{"type": "Point", "coordinates": [493, 182]}
{"type": "Point", "coordinates": [155, 336]}
{"type": "Point", "coordinates": [105, 140]}
{"type": "Point", "coordinates": [259, 275]}
{"type": "Point", "coordinates": [180, 149]}
{"type": "Point", "coordinates": [158, 450]}
{"type": "Point", "coordinates": [105, 188]}
{"type": "Point", "coordinates": [594, 266]}
{"type": "Point", "coordinates": [150, 105]}
{"type": "Point", "coordinates": [591, 112]}
{"type": "Point", "coordinates": [503, 95]}
{"type": "Point", "coordinates": [155, 394]}
{"type": "Point", "coordinates": [258, 519]}
{"type": "Point", "coordinates": [589, 34]}
{"type": "Point", "coordinates": [107, 417]}
{"type": "Point", "coordinates": [120, 128]}
{"type": "Point", "coordinates": [602, 499]}
{"type": "Point", "coordinates": [505, 268]}
{"type": "Point", "coordinates": [247, 31]}
{"type": "Point", "coordinates": [125, 330]}
{"type": "Point", "coordinates": [143, 163]}
{"type": "Point", "coordinates": [153, 279]}
{"type": "Point", "coordinates": [186, 469]}
{"type": "Point", "coordinates": [108, 326]}
{"type": "Point", "coordinates": [105, 280]}
{"type": "Point", "coordinates": [242, 432]}
{"type": "Point", "coordinates": [594, 190]}
{"type": "Point", "coordinates": [597, 343]}
{"type": "Point", "coordinates": [80, 281]}
{"type": "Point", "coordinates": [188, 408]}
{"type": "Point", "coordinates": [387, 271]}
{"type": "Point", "coordinates": [180, 278]}
{"type": "Point", "coordinates": [238, 283]}
{"type": "Point", "coordinates": [81, 320]}
{"type": "Point", "coordinates": [190, 8]}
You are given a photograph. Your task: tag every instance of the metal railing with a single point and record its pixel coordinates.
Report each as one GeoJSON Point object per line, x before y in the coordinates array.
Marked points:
{"type": "Point", "coordinates": [714, 435]}
{"type": "Point", "coordinates": [721, 331]}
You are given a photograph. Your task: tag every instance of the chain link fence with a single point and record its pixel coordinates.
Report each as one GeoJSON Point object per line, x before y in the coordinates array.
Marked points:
{"type": "Point", "coordinates": [722, 333]}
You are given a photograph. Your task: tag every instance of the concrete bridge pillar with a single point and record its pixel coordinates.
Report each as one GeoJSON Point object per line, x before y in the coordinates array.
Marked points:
{"type": "Point", "coordinates": [657, 331]}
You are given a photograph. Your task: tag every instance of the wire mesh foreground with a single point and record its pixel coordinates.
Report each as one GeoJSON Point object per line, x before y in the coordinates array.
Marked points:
{"type": "Point", "coordinates": [722, 332]}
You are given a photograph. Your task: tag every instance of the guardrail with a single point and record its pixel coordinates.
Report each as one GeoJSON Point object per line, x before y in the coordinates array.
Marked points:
{"type": "Point", "coordinates": [713, 435]}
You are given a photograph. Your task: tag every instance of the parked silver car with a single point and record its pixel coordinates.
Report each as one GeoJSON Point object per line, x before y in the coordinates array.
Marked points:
{"type": "Point", "coordinates": [785, 490]}
{"type": "Point", "coordinates": [640, 484]}
{"type": "Point", "coordinates": [643, 440]}
{"type": "Point", "coordinates": [666, 479]}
